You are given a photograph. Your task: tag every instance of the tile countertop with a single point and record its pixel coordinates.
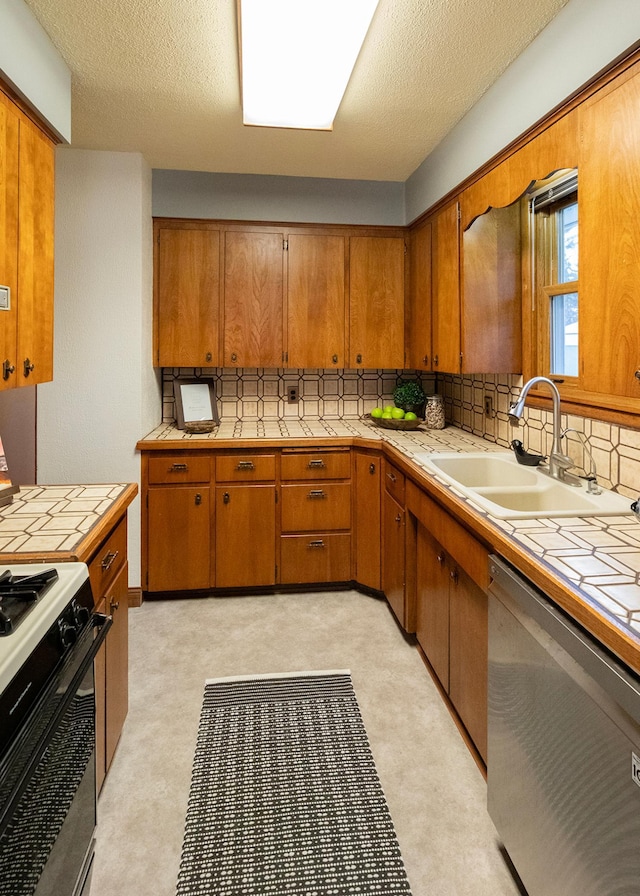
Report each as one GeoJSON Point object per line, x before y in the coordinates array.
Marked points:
{"type": "Point", "coordinates": [596, 558]}
{"type": "Point", "coordinates": [49, 522]}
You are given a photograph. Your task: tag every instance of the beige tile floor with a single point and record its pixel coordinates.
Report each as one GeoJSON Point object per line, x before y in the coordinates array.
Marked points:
{"type": "Point", "coordinates": [435, 791]}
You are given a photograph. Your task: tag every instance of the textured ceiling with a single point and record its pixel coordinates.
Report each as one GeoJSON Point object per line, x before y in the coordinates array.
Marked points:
{"type": "Point", "coordinates": [161, 78]}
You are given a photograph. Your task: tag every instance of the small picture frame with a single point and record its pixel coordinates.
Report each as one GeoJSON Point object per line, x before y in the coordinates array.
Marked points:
{"type": "Point", "coordinates": [195, 400]}
{"type": "Point", "coordinates": [7, 489]}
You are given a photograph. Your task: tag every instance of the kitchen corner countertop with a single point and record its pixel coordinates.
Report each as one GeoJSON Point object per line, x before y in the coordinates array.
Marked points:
{"type": "Point", "coordinates": [59, 523]}
{"type": "Point", "coordinates": [589, 565]}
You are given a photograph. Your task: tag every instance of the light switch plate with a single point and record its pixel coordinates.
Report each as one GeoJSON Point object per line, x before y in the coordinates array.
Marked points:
{"type": "Point", "coordinates": [5, 298]}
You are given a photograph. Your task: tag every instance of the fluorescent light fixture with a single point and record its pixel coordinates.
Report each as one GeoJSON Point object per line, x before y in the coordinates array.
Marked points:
{"type": "Point", "coordinates": [297, 57]}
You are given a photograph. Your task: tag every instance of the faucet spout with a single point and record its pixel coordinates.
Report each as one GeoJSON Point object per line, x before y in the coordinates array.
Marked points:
{"type": "Point", "coordinates": [559, 462]}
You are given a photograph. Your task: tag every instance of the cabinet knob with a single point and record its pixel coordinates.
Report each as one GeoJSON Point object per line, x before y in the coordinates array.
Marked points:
{"type": "Point", "coordinates": [226, 497]}
{"type": "Point", "coordinates": [208, 356]}
{"type": "Point", "coordinates": [372, 468]}
{"type": "Point", "coordinates": [335, 359]}
{"type": "Point", "coordinates": [398, 518]}
{"type": "Point", "coordinates": [114, 605]}
{"type": "Point", "coordinates": [198, 499]}
{"type": "Point", "coordinates": [440, 558]}
{"type": "Point", "coordinates": [425, 360]}
{"type": "Point", "coordinates": [454, 576]}
{"type": "Point", "coordinates": [358, 359]}
{"type": "Point", "coordinates": [7, 369]}
{"type": "Point", "coordinates": [637, 374]}
{"type": "Point", "coordinates": [27, 366]}
{"type": "Point", "coordinates": [234, 357]}
{"type": "Point", "coordinates": [435, 360]}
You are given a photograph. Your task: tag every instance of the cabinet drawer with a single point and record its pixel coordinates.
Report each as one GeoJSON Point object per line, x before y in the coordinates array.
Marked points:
{"type": "Point", "coordinates": [394, 482]}
{"type": "Point", "coordinates": [108, 560]}
{"type": "Point", "coordinates": [246, 468]}
{"type": "Point", "coordinates": [171, 469]}
{"type": "Point", "coordinates": [315, 558]}
{"type": "Point", "coordinates": [316, 507]}
{"type": "Point", "coordinates": [316, 465]}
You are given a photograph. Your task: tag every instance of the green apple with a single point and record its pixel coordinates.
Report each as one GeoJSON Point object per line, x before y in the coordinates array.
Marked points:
{"type": "Point", "coordinates": [377, 412]}
{"type": "Point", "coordinates": [397, 413]}
{"type": "Point", "coordinates": [410, 416]}
{"type": "Point", "coordinates": [388, 408]}
{"type": "Point", "coordinates": [386, 415]}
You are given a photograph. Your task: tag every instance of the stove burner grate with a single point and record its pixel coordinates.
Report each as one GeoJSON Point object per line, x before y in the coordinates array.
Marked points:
{"type": "Point", "coordinates": [19, 594]}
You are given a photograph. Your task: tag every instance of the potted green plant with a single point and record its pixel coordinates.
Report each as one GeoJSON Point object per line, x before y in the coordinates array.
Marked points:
{"type": "Point", "coordinates": [410, 396]}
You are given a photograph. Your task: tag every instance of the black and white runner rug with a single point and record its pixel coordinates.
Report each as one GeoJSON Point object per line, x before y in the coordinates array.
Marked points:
{"type": "Point", "coordinates": [285, 799]}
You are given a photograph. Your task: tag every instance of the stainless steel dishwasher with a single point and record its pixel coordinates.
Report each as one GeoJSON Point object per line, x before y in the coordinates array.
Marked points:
{"type": "Point", "coordinates": [563, 779]}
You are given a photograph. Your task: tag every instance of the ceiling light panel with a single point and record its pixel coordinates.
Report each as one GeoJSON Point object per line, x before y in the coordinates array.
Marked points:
{"type": "Point", "coordinates": [297, 57]}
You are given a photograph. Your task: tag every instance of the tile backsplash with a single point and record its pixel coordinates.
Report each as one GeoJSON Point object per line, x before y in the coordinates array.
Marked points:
{"type": "Point", "coordinates": [261, 394]}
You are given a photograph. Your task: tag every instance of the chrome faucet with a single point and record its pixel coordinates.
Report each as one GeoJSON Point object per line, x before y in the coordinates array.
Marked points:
{"type": "Point", "coordinates": [559, 462]}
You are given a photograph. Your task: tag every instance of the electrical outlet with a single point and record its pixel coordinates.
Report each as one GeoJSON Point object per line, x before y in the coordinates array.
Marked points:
{"type": "Point", "coordinates": [488, 406]}
{"type": "Point", "coordinates": [292, 394]}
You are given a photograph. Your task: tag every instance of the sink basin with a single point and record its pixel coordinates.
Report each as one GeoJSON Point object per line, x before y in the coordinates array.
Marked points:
{"type": "Point", "coordinates": [497, 484]}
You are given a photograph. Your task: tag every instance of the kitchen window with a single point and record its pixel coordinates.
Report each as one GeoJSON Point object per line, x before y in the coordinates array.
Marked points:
{"type": "Point", "coordinates": [553, 207]}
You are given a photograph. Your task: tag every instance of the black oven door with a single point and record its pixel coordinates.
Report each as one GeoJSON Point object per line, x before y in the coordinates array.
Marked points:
{"type": "Point", "coordinates": [47, 784]}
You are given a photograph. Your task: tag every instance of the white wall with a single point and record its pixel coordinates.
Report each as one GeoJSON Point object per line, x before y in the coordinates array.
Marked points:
{"type": "Point", "coordinates": [33, 67]}
{"type": "Point", "coordinates": [584, 38]}
{"type": "Point", "coordinates": [105, 395]}
{"type": "Point", "coordinates": [255, 197]}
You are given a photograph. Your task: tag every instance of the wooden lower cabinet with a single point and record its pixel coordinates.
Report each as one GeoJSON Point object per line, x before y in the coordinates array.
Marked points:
{"type": "Point", "coordinates": [245, 535]}
{"type": "Point", "coordinates": [179, 549]}
{"type": "Point", "coordinates": [452, 612]}
{"type": "Point", "coordinates": [320, 557]}
{"type": "Point", "coordinates": [108, 572]}
{"type": "Point", "coordinates": [393, 555]}
{"type": "Point", "coordinates": [367, 519]}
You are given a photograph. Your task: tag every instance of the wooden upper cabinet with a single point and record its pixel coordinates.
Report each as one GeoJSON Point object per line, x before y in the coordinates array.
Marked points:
{"type": "Point", "coordinates": [609, 211]}
{"type": "Point", "coordinates": [445, 283]}
{"type": "Point", "coordinates": [26, 248]}
{"type": "Point", "coordinates": [253, 299]}
{"type": "Point", "coordinates": [35, 257]}
{"type": "Point", "coordinates": [187, 297]}
{"type": "Point", "coordinates": [316, 301]}
{"type": "Point", "coordinates": [9, 137]}
{"type": "Point", "coordinates": [376, 301]}
{"type": "Point", "coordinates": [419, 304]}
{"type": "Point", "coordinates": [491, 309]}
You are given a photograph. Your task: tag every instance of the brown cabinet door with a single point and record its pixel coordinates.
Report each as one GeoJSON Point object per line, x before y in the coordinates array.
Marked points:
{"type": "Point", "coordinates": [445, 282]}
{"type": "Point", "coordinates": [187, 297]}
{"type": "Point", "coordinates": [432, 603]}
{"type": "Point", "coordinates": [245, 536]}
{"type": "Point", "coordinates": [609, 210]}
{"type": "Point", "coordinates": [253, 299]}
{"type": "Point", "coordinates": [34, 356]}
{"type": "Point", "coordinates": [419, 304]}
{"type": "Point", "coordinates": [316, 301]}
{"type": "Point", "coordinates": [368, 513]}
{"type": "Point", "coordinates": [179, 549]}
{"type": "Point", "coordinates": [116, 662]}
{"type": "Point", "coordinates": [491, 326]}
{"type": "Point", "coordinates": [393, 556]}
{"type": "Point", "coordinates": [468, 647]}
{"type": "Point", "coordinates": [376, 302]}
{"type": "Point", "coordinates": [9, 140]}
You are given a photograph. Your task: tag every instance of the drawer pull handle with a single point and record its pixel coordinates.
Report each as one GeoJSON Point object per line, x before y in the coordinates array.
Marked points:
{"type": "Point", "coordinates": [317, 493]}
{"type": "Point", "coordinates": [317, 464]}
{"type": "Point", "coordinates": [178, 468]}
{"type": "Point", "coordinates": [114, 605]}
{"type": "Point", "coordinates": [372, 468]}
{"type": "Point", "coordinates": [316, 544]}
{"type": "Point", "coordinates": [392, 477]}
{"type": "Point", "coordinates": [226, 497]}
{"type": "Point", "coordinates": [107, 560]}
{"type": "Point", "coordinates": [245, 465]}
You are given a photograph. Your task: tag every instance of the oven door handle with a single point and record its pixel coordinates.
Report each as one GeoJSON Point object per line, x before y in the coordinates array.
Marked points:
{"type": "Point", "coordinates": [66, 680]}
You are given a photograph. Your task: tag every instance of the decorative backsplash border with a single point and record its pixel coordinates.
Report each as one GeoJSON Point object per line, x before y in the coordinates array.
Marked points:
{"type": "Point", "coordinates": [261, 394]}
